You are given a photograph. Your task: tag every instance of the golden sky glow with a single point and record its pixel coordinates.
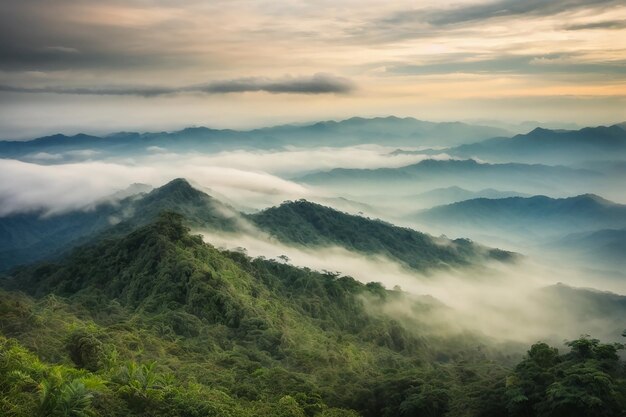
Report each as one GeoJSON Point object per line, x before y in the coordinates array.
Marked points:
{"type": "Point", "coordinates": [167, 64]}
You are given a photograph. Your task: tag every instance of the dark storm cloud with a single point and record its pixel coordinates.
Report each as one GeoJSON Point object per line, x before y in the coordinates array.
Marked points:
{"type": "Point", "coordinates": [315, 84]}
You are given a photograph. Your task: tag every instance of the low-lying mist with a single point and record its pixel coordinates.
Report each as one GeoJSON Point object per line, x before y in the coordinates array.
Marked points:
{"type": "Point", "coordinates": [508, 303]}
{"type": "Point", "coordinates": [248, 179]}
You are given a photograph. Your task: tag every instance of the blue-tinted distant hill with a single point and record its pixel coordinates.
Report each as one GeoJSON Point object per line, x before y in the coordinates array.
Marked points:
{"type": "Point", "coordinates": [551, 146]}
{"type": "Point", "coordinates": [392, 131]}
{"type": "Point", "coordinates": [538, 215]}
{"type": "Point", "coordinates": [608, 246]}
{"type": "Point", "coordinates": [453, 194]}
{"type": "Point", "coordinates": [429, 174]}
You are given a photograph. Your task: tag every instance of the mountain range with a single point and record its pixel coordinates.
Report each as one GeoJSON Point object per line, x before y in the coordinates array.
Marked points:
{"type": "Point", "coordinates": [390, 131]}
{"type": "Point", "coordinates": [33, 236]}
{"type": "Point", "coordinates": [551, 147]}
{"type": "Point", "coordinates": [144, 318]}
{"type": "Point", "coordinates": [453, 194]}
{"type": "Point", "coordinates": [425, 175]}
{"type": "Point", "coordinates": [605, 246]}
{"type": "Point", "coordinates": [539, 216]}
{"type": "Point", "coordinates": [174, 301]}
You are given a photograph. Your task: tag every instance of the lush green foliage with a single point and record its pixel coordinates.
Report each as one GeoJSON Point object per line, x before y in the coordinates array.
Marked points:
{"type": "Point", "coordinates": [587, 381]}
{"type": "Point", "coordinates": [311, 224]}
{"type": "Point", "coordinates": [158, 323]}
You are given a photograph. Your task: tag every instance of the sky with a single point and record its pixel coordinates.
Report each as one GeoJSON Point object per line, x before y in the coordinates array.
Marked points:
{"type": "Point", "coordinates": [91, 66]}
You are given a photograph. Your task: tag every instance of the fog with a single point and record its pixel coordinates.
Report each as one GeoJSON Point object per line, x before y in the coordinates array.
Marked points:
{"type": "Point", "coordinates": [505, 302]}
{"type": "Point", "coordinates": [249, 179]}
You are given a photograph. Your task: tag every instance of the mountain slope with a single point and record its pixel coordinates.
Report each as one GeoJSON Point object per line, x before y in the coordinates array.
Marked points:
{"type": "Point", "coordinates": [29, 237]}
{"type": "Point", "coordinates": [301, 222]}
{"type": "Point", "coordinates": [33, 236]}
{"type": "Point", "coordinates": [158, 323]}
{"type": "Point", "coordinates": [536, 215]}
{"type": "Point", "coordinates": [256, 329]}
{"type": "Point", "coordinates": [551, 146]}
{"type": "Point", "coordinates": [311, 224]}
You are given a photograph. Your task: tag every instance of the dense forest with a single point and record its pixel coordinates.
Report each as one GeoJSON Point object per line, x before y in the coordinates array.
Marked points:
{"type": "Point", "coordinates": [155, 322]}
{"type": "Point", "coordinates": [305, 223]}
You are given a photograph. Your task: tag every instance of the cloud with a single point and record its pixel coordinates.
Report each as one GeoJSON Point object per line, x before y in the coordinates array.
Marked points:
{"type": "Point", "coordinates": [156, 149]}
{"type": "Point", "coordinates": [319, 83]}
{"type": "Point", "coordinates": [45, 156]}
{"type": "Point", "coordinates": [605, 24]}
{"type": "Point", "coordinates": [78, 154]}
{"type": "Point", "coordinates": [564, 63]}
{"type": "Point", "coordinates": [466, 20]}
{"type": "Point", "coordinates": [59, 188]}
{"type": "Point", "coordinates": [512, 8]}
{"type": "Point", "coordinates": [491, 299]}
{"type": "Point", "coordinates": [299, 160]}
{"type": "Point", "coordinates": [63, 49]}
{"type": "Point", "coordinates": [247, 179]}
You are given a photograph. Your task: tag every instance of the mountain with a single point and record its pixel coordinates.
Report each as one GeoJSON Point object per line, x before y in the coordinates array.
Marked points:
{"type": "Point", "coordinates": [538, 215]}
{"type": "Point", "coordinates": [158, 323]}
{"type": "Point", "coordinates": [391, 131]}
{"type": "Point", "coordinates": [313, 225]}
{"type": "Point", "coordinates": [198, 208]}
{"type": "Point", "coordinates": [606, 247]}
{"type": "Point", "coordinates": [453, 194]}
{"type": "Point", "coordinates": [273, 336]}
{"type": "Point", "coordinates": [586, 305]}
{"type": "Point", "coordinates": [29, 237]}
{"type": "Point", "coordinates": [430, 173]}
{"type": "Point", "coordinates": [551, 146]}
{"type": "Point", "coordinates": [32, 236]}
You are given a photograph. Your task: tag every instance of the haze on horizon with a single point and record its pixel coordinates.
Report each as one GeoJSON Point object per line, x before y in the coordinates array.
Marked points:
{"type": "Point", "coordinates": [130, 64]}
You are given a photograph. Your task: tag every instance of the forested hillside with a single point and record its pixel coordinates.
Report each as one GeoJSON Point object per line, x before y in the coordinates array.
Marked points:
{"type": "Point", "coordinates": [311, 224]}
{"type": "Point", "coordinates": [160, 323]}
{"type": "Point", "coordinates": [31, 237]}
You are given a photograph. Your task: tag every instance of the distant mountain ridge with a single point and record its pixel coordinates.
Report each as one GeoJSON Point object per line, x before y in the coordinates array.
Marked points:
{"type": "Point", "coordinates": [551, 146]}
{"type": "Point", "coordinates": [453, 194]}
{"type": "Point", "coordinates": [468, 173]}
{"type": "Point", "coordinates": [538, 215]}
{"type": "Point", "coordinates": [606, 245]}
{"type": "Point", "coordinates": [392, 131]}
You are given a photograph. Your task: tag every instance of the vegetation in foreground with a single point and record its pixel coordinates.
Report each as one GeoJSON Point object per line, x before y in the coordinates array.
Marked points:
{"type": "Point", "coordinates": [158, 323]}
